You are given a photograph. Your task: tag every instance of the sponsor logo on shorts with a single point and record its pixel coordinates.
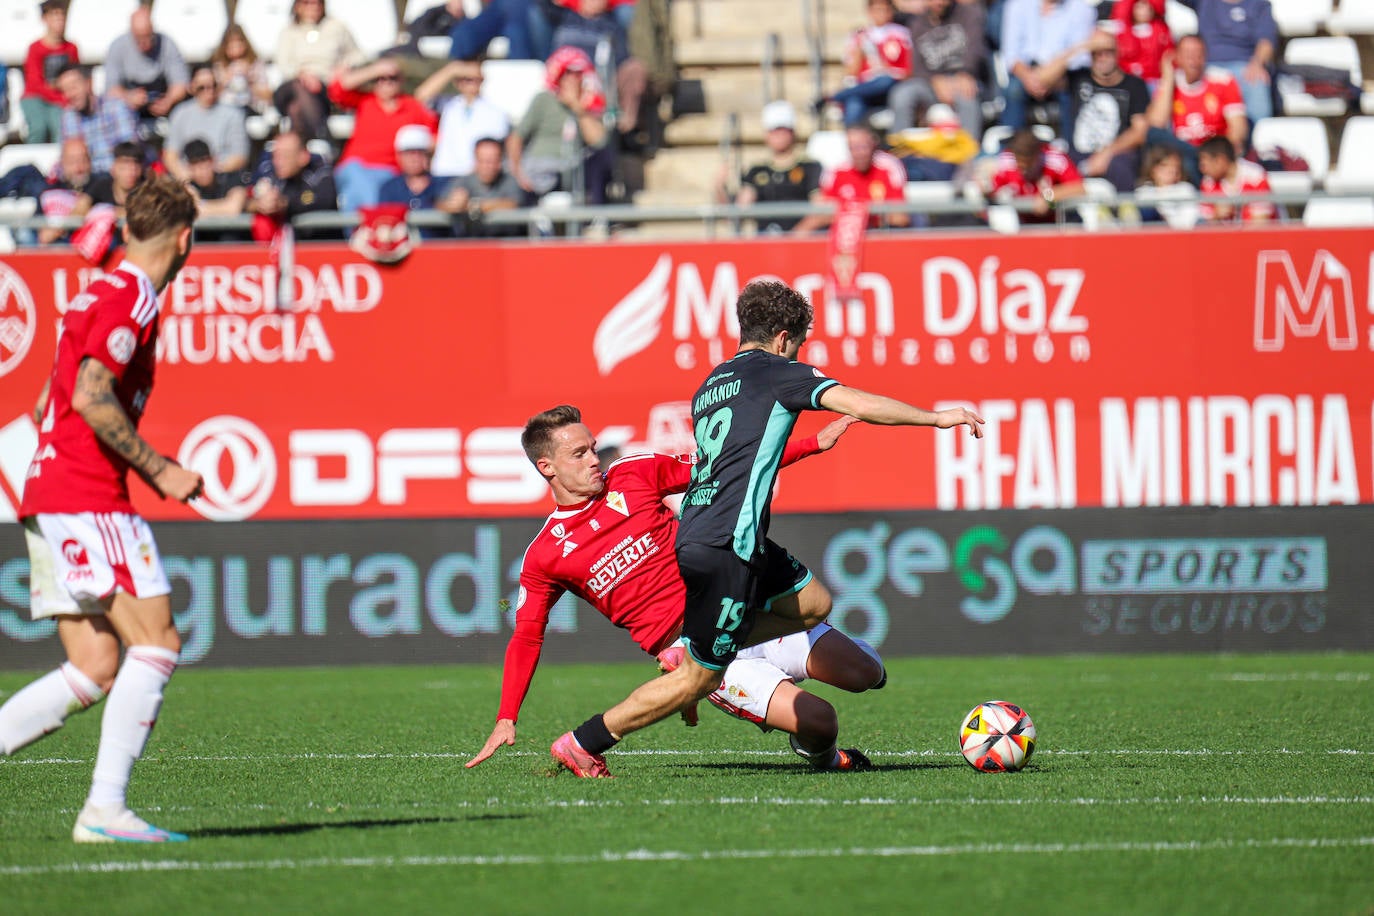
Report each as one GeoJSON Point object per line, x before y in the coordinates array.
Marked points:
{"type": "Point", "coordinates": [121, 343]}
{"type": "Point", "coordinates": [78, 562]}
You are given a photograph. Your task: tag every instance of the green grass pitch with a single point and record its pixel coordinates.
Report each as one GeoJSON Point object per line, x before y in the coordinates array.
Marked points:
{"type": "Point", "coordinates": [1161, 784]}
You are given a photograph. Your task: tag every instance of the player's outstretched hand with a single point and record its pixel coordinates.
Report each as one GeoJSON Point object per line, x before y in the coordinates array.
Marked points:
{"type": "Point", "coordinates": [175, 482]}
{"type": "Point", "coordinates": [960, 416]}
{"type": "Point", "coordinates": [832, 431]}
{"type": "Point", "coordinates": [503, 733]}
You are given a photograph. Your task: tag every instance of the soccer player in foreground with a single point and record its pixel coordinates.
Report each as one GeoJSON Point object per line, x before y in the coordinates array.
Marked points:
{"type": "Point", "coordinates": [610, 542]}
{"type": "Point", "coordinates": [742, 414]}
{"type": "Point", "coordinates": [93, 562]}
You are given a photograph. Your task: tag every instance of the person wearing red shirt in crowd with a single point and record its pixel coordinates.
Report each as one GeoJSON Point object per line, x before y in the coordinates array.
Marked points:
{"type": "Point", "coordinates": [43, 102]}
{"type": "Point", "coordinates": [1225, 175]}
{"type": "Point", "coordinates": [582, 549]}
{"type": "Point", "coordinates": [872, 175]}
{"type": "Point", "coordinates": [1195, 103]}
{"type": "Point", "coordinates": [877, 58]}
{"type": "Point", "coordinates": [369, 157]}
{"type": "Point", "coordinates": [94, 564]}
{"type": "Point", "coordinates": [1142, 38]}
{"type": "Point", "coordinates": [1030, 168]}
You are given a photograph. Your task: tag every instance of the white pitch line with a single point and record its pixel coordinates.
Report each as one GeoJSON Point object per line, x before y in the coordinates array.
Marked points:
{"type": "Point", "coordinates": [703, 752]}
{"type": "Point", "coordinates": [1261, 677]}
{"type": "Point", "coordinates": [676, 855]}
{"type": "Point", "coordinates": [493, 804]}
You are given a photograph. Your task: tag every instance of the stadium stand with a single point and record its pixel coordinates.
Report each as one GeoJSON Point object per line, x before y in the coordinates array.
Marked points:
{"type": "Point", "coordinates": [262, 22]}
{"type": "Point", "coordinates": [1305, 137]}
{"type": "Point", "coordinates": [1353, 172]}
{"type": "Point", "coordinates": [828, 147]}
{"type": "Point", "coordinates": [373, 24]}
{"type": "Point", "coordinates": [1337, 52]}
{"type": "Point", "coordinates": [1352, 17]}
{"type": "Point", "coordinates": [1182, 20]}
{"type": "Point", "coordinates": [1339, 212]}
{"type": "Point", "coordinates": [511, 84]}
{"type": "Point", "coordinates": [20, 24]}
{"type": "Point", "coordinates": [194, 25]}
{"type": "Point", "coordinates": [42, 156]}
{"type": "Point", "coordinates": [1300, 17]}
{"type": "Point", "coordinates": [14, 130]}
{"type": "Point", "coordinates": [93, 24]}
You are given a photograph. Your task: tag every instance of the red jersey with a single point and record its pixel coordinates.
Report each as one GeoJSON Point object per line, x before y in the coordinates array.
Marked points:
{"type": "Point", "coordinates": [880, 50]}
{"type": "Point", "coordinates": [374, 128]}
{"type": "Point", "coordinates": [1059, 169]}
{"type": "Point", "coordinates": [1201, 108]}
{"type": "Point", "coordinates": [40, 70]}
{"type": "Point", "coordinates": [615, 552]}
{"type": "Point", "coordinates": [1250, 178]}
{"type": "Point", "coordinates": [1140, 46]}
{"type": "Point", "coordinates": [885, 180]}
{"type": "Point", "coordinates": [114, 322]}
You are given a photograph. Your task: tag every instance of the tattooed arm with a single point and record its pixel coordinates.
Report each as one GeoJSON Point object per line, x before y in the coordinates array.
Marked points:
{"type": "Point", "coordinates": [95, 399]}
{"type": "Point", "coordinates": [42, 404]}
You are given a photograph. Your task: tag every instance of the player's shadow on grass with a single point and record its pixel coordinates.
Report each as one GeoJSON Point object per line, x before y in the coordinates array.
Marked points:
{"type": "Point", "coordinates": [294, 829]}
{"type": "Point", "coordinates": [801, 769]}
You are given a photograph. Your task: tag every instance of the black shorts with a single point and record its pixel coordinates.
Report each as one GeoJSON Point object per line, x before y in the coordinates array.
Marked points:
{"type": "Point", "coordinates": [724, 593]}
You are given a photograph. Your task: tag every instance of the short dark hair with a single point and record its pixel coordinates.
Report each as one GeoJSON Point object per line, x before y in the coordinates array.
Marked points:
{"type": "Point", "coordinates": [1194, 37]}
{"type": "Point", "coordinates": [537, 439]}
{"type": "Point", "coordinates": [157, 205]}
{"type": "Point", "coordinates": [72, 65]}
{"type": "Point", "coordinates": [196, 150]}
{"type": "Point", "coordinates": [1024, 143]}
{"type": "Point", "coordinates": [768, 307]}
{"type": "Point", "coordinates": [47, 6]}
{"type": "Point", "coordinates": [481, 140]}
{"type": "Point", "coordinates": [128, 149]}
{"type": "Point", "coordinates": [1218, 146]}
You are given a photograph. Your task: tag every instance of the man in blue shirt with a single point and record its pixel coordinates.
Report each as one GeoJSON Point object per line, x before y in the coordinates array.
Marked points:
{"type": "Point", "coordinates": [1034, 34]}
{"type": "Point", "coordinates": [1241, 38]}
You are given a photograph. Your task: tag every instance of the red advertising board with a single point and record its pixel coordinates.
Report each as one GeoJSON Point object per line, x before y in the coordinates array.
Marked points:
{"type": "Point", "coordinates": [1211, 367]}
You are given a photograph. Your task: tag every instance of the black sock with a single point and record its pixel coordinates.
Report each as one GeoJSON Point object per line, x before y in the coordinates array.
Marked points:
{"type": "Point", "coordinates": [594, 736]}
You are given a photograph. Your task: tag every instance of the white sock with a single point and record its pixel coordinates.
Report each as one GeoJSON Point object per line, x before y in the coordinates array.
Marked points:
{"type": "Point", "coordinates": [41, 707]}
{"type": "Point", "coordinates": [130, 714]}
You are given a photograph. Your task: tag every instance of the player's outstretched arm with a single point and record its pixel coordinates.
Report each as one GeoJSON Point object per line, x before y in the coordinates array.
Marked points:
{"type": "Point", "coordinates": [503, 733]}
{"type": "Point", "coordinates": [885, 411]}
{"type": "Point", "coordinates": [831, 432]}
{"type": "Point", "coordinates": [96, 401]}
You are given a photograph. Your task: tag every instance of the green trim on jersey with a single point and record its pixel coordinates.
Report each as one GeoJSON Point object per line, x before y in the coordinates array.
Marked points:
{"type": "Point", "coordinates": [761, 476]}
{"type": "Point", "coordinates": [816, 395]}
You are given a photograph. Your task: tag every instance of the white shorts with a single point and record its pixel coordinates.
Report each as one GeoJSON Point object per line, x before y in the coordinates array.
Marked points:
{"type": "Point", "coordinates": [758, 670]}
{"type": "Point", "coordinates": [77, 560]}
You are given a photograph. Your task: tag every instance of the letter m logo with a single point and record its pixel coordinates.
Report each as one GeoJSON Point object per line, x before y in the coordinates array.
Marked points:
{"type": "Point", "coordinates": [1285, 304]}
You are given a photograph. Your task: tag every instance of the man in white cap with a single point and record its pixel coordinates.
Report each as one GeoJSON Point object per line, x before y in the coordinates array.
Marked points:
{"type": "Point", "coordinates": [415, 186]}
{"type": "Point", "coordinates": [786, 176]}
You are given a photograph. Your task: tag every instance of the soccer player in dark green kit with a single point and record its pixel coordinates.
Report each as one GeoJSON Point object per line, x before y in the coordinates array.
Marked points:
{"type": "Point", "coordinates": [743, 414]}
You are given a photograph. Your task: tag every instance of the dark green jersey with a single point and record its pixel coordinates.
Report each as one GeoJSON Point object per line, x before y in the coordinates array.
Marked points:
{"type": "Point", "coordinates": [743, 414]}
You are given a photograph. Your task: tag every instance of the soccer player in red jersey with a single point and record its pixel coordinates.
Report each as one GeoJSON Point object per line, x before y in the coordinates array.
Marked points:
{"type": "Point", "coordinates": [610, 542]}
{"type": "Point", "coordinates": [94, 565]}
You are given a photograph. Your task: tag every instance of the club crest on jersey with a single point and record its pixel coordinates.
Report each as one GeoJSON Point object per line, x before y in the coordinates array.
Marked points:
{"type": "Point", "coordinates": [559, 531]}
{"type": "Point", "coordinates": [616, 500]}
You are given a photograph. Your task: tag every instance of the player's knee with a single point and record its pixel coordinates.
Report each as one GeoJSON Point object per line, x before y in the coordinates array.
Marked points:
{"type": "Point", "coordinates": [100, 666]}
{"type": "Point", "coordinates": [818, 722]}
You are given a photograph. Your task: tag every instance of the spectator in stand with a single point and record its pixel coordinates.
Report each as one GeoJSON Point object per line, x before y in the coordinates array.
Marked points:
{"type": "Point", "coordinates": [223, 127]}
{"type": "Point", "coordinates": [241, 76]}
{"type": "Point", "coordinates": [588, 26]}
{"type": "Point", "coordinates": [1036, 34]}
{"type": "Point", "coordinates": [42, 101]}
{"type": "Point", "coordinates": [294, 181]}
{"type": "Point", "coordinates": [310, 51]}
{"type": "Point", "coordinates": [66, 185]}
{"type": "Point", "coordinates": [488, 188]}
{"type": "Point", "coordinates": [1029, 168]}
{"type": "Point", "coordinates": [100, 122]}
{"type": "Point", "coordinates": [1195, 103]}
{"type": "Point", "coordinates": [144, 69]}
{"type": "Point", "coordinates": [1226, 175]}
{"type": "Point", "coordinates": [218, 193]}
{"type": "Point", "coordinates": [872, 175]}
{"type": "Point", "coordinates": [939, 152]}
{"type": "Point", "coordinates": [1241, 39]}
{"type": "Point", "coordinates": [369, 158]}
{"type": "Point", "coordinates": [1106, 124]}
{"type": "Point", "coordinates": [1142, 38]}
{"type": "Point", "coordinates": [787, 177]}
{"type": "Point", "coordinates": [1163, 194]}
{"type": "Point", "coordinates": [464, 119]}
{"type": "Point", "coordinates": [523, 23]}
{"type": "Point", "coordinates": [562, 131]}
{"type": "Point", "coordinates": [877, 57]}
{"type": "Point", "coordinates": [435, 22]}
{"type": "Point", "coordinates": [113, 188]}
{"type": "Point", "coordinates": [948, 58]}
{"type": "Point", "coordinates": [415, 186]}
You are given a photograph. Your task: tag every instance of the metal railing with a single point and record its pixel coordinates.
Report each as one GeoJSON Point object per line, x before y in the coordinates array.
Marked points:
{"type": "Point", "coordinates": [772, 67]}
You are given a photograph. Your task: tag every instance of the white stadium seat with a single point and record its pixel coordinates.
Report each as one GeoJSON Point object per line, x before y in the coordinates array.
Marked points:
{"type": "Point", "coordinates": [1300, 17]}
{"type": "Point", "coordinates": [1338, 52]}
{"type": "Point", "coordinates": [828, 147]}
{"type": "Point", "coordinates": [42, 156]}
{"type": "Point", "coordinates": [1180, 19]}
{"type": "Point", "coordinates": [1352, 17]}
{"type": "Point", "coordinates": [1331, 213]}
{"type": "Point", "coordinates": [195, 26]}
{"type": "Point", "coordinates": [372, 23]}
{"type": "Point", "coordinates": [1305, 137]}
{"type": "Point", "coordinates": [15, 128]}
{"type": "Point", "coordinates": [20, 24]}
{"type": "Point", "coordinates": [929, 192]}
{"type": "Point", "coordinates": [1354, 169]}
{"type": "Point", "coordinates": [511, 84]}
{"type": "Point", "coordinates": [262, 22]}
{"type": "Point", "coordinates": [93, 24]}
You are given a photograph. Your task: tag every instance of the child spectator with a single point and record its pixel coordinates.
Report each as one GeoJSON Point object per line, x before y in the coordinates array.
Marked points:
{"type": "Point", "coordinates": [1226, 175]}
{"type": "Point", "coordinates": [369, 158]}
{"type": "Point", "coordinates": [216, 192]}
{"type": "Point", "coordinates": [42, 102]}
{"type": "Point", "coordinates": [1163, 194]}
{"type": "Point", "coordinates": [877, 57]}
{"type": "Point", "coordinates": [310, 50]}
{"type": "Point", "coordinates": [113, 188]}
{"type": "Point", "coordinates": [1142, 38]}
{"type": "Point", "coordinates": [241, 76]}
